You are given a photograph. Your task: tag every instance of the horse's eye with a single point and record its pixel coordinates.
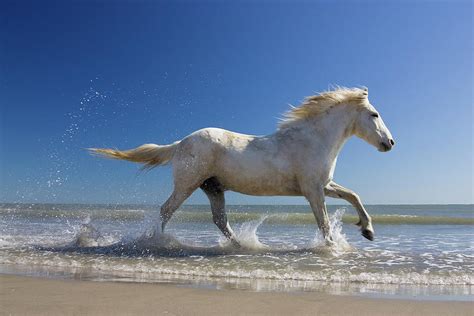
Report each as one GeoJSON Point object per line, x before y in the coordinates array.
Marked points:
{"type": "Point", "coordinates": [375, 115]}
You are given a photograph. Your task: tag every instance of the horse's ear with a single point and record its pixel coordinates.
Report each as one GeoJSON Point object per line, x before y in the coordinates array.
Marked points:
{"type": "Point", "coordinates": [365, 91]}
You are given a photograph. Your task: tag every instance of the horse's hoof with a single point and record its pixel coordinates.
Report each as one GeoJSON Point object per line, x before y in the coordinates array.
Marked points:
{"type": "Point", "coordinates": [368, 234]}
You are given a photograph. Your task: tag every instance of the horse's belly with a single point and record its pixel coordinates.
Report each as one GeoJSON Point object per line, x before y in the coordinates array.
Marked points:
{"type": "Point", "coordinates": [267, 191]}
{"type": "Point", "coordinates": [260, 181]}
{"type": "Point", "coordinates": [261, 188]}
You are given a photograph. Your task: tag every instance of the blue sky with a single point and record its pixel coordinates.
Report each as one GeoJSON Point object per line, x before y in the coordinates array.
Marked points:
{"type": "Point", "coordinates": [122, 73]}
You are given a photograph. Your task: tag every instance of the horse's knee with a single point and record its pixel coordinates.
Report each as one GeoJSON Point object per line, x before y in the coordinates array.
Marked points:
{"type": "Point", "coordinates": [353, 197]}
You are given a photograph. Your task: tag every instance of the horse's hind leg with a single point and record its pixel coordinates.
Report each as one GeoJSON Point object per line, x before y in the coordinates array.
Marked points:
{"type": "Point", "coordinates": [179, 195]}
{"type": "Point", "coordinates": [215, 193]}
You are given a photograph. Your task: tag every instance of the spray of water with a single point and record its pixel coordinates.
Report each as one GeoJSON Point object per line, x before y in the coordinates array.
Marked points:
{"type": "Point", "coordinates": [87, 235]}
{"type": "Point", "coordinates": [247, 236]}
{"type": "Point", "coordinates": [154, 242]}
{"type": "Point", "coordinates": [340, 244]}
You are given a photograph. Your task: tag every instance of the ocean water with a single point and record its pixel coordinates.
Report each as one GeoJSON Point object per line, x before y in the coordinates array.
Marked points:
{"type": "Point", "coordinates": [420, 251]}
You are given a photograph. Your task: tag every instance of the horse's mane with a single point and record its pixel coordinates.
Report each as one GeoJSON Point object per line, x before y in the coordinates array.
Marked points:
{"type": "Point", "coordinates": [315, 105]}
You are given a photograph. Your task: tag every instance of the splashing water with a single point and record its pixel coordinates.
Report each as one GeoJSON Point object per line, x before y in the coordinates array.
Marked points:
{"type": "Point", "coordinates": [154, 242]}
{"type": "Point", "coordinates": [129, 244]}
{"type": "Point", "coordinates": [86, 235]}
{"type": "Point", "coordinates": [340, 244]}
{"type": "Point", "coordinates": [247, 236]}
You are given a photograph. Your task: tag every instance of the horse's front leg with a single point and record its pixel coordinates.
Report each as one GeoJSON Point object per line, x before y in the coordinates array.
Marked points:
{"type": "Point", "coordinates": [315, 197]}
{"type": "Point", "coordinates": [338, 191]}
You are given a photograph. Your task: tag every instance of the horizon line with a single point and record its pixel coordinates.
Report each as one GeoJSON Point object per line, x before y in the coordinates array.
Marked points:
{"type": "Point", "coordinates": [207, 204]}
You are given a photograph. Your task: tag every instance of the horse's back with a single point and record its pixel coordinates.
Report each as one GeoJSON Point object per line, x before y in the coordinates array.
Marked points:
{"type": "Point", "coordinates": [215, 138]}
{"type": "Point", "coordinates": [207, 146]}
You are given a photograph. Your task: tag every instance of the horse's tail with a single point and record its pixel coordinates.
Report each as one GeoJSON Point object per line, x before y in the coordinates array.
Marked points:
{"type": "Point", "coordinates": [150, 155]}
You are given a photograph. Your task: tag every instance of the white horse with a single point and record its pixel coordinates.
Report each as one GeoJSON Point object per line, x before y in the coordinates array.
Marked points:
{"type": "Point", "coordinates": [297, 160]}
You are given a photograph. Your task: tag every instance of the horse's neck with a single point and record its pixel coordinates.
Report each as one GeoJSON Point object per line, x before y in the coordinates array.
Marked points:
{"type": "Point", "coordinates": [329, 132]}
{"type": "Point", "coordinates": [334, 132]}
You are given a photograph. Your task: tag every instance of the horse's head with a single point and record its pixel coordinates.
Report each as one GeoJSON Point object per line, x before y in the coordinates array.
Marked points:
{"type": "Point", "coordinates": [370, 127]}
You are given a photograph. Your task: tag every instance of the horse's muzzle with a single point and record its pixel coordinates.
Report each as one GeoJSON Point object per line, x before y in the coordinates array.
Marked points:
{"type": "Point", "coordinates": [386, 146]}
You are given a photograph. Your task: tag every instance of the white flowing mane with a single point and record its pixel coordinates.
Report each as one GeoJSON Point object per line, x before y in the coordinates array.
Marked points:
{"type": "Point", "coordinates": [317, 104]}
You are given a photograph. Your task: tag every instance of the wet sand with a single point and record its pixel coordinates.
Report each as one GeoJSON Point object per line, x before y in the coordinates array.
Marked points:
{"type": "Point", "coordinates": [40, 296]}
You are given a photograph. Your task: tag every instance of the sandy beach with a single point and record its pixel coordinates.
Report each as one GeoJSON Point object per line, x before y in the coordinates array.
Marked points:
{"type": "Point", "coordinates": [38, 296]}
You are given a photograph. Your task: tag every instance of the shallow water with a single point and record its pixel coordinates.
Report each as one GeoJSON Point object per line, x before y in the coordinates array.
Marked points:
{"type": "Point", "coordinates": [426, 252]}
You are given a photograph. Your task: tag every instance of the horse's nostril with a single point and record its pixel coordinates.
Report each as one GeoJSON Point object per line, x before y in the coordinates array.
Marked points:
{"type": "Point", "coordinates": [392, 142]}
